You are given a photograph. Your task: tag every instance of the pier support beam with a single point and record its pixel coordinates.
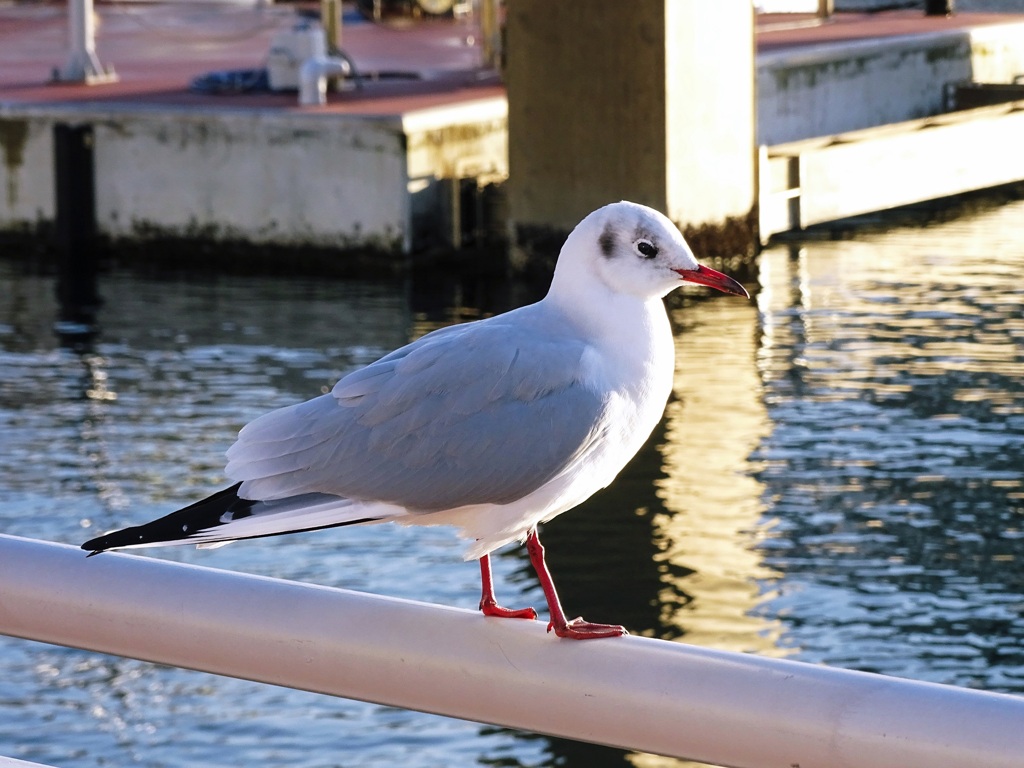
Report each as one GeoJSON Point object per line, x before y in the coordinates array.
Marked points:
{"type": "Point", "coordinates": [75, 233]}
{"type": "Point", "coordinates": [650, 101]}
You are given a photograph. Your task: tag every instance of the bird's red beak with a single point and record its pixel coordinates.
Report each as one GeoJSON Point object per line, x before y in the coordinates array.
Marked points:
{"type": "Point", "coordinates": [714, 279]}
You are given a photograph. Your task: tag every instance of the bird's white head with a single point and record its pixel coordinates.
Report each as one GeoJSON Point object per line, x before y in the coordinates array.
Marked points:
{"type": "Point", "coordinates": [634, 250]}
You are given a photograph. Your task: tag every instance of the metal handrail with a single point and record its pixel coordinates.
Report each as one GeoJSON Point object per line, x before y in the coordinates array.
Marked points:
{"type": "Point", "coordinates": [631, 692]}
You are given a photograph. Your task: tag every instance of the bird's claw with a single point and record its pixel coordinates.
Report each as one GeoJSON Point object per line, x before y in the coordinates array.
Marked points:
{"type": "Point", "coordinates": [578, 629]}
{"type": "Point", "coordinates": [493, 609]}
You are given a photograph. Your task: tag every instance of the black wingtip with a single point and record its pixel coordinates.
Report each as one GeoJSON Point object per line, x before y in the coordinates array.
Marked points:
{"type": "Point", "coordinates": [122, 538]}
{"type": "Point", "coordinates": [94, 546]}
{"type": "Point", "coordinates": [176, 527]}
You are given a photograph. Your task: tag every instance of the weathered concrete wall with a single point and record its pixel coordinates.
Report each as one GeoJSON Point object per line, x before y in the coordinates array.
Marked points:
{"type": "Point", "coordinates": [281, 178]}
{"type": "Point", "coordinates": [997, 53]}
{"type": "Point", "coordinates": [26, 171]}
{"type": "Point", "coordinates": [270, 179]}
{"type": "Point", "coordinates": [650, 101]}
{"type": "Point", "coordinates": [824, 90]}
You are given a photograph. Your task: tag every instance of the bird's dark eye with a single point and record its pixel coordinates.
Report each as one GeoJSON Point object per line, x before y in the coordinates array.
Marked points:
{"type": "Point", "coordinates": [646, 248]}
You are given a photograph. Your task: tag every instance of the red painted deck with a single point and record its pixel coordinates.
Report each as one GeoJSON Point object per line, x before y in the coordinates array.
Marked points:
{"type": "Point", "coordinates": [157, 49]}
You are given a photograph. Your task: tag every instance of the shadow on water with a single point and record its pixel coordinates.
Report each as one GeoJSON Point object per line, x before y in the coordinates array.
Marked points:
{"type": "Point", "coordinates": [837, 479]}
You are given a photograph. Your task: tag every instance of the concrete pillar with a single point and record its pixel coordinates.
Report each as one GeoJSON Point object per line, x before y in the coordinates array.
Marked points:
{"type": "Point", "coordinates": [647, 100]}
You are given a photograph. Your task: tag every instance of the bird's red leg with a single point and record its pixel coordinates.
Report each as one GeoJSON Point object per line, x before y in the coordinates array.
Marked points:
{"type": "Point", "coordinates": [577, 629]}
{"type": "Point", "coordinates": [488, 603]}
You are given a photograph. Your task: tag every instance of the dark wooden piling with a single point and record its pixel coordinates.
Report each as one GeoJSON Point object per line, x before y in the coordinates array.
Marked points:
{"type": "Point", "coordinates": [75, 231]}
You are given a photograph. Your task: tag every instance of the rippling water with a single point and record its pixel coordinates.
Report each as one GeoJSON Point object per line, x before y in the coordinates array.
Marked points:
{"type": "Point", "coordinates": [837, 480]}
{"type": "Point", "coordinates": [893, 373]}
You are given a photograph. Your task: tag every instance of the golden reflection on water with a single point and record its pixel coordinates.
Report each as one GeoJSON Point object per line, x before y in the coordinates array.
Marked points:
{"type": "Point", "coordinates": [713, 576]}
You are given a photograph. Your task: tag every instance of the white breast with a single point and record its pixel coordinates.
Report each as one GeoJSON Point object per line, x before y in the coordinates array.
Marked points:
{"type": "Point", "coordinates": [635, 372]}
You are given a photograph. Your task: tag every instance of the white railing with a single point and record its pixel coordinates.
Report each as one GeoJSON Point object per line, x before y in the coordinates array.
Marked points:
{"type": "Point", "coordinates": [632, 692]}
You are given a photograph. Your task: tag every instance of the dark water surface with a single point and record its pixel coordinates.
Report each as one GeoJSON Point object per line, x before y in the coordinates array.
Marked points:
{"type": "Point", "coordinates": [838, 479]}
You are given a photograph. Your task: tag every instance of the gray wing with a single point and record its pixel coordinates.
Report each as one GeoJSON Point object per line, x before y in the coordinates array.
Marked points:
{"type": "Point", "coordinates": [481, 413]}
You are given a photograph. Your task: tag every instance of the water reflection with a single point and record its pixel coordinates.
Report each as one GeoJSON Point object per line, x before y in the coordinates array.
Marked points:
{"type": "Point", "coordinates": [837, 479]}
{"type": "Point", "coordinates": [892, 369]}
{"type": "Point", "coordinates": [707, 535]}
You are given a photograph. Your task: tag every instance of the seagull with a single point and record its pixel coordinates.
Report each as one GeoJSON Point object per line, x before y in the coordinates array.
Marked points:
{"type": "Point", "coordinates": [492, 426]}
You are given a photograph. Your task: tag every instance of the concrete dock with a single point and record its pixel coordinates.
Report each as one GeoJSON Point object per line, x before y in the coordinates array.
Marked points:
{"type": "Point", "coordinates": [368, 170]}
{"type": "Point", "coordinates": [385, 166]}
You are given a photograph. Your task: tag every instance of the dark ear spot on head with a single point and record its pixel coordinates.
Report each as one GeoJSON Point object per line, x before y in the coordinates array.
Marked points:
{"type": "Point", "coordinates": [607, 241]}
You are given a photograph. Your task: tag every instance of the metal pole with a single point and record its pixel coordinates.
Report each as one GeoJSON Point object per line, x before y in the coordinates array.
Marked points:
{"type": "Point", "coordinates": [330, 19]}
{"type": "Point", "coordinates": [490, 35]}
{"type": "Point", "coordinates": [82, 65]}
{"type": "Point", "coordinates": [632, 692]}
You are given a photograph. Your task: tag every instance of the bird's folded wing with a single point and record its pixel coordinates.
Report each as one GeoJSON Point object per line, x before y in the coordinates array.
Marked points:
{"type": "Point", "coordinates": [486, 415]}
